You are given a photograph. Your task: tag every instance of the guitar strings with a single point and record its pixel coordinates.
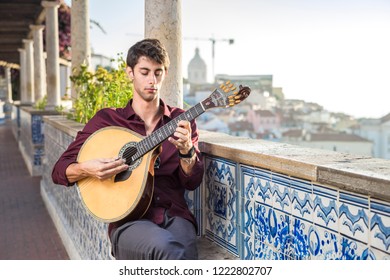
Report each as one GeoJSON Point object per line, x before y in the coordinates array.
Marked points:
{"type": "Point", "coordinates": [162, 133]}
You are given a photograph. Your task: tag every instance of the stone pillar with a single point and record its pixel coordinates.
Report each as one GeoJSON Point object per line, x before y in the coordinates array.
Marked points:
{"type": "Point", "coordinates": [81, 50]}
{"type": "Point", "coordinates": [8, 98]}
{"type": "Point", "coordinates": [29, 68]}
{"type": "Point", "coordinates": [8, 84]}
{"type": "Point", "coordinates": [163, 22]}
{"type": "Point", "coordinates": [39, 63]}
{"type": "Point", "coordinates": [22, 73]}
{"type": "Point", "coordinates": [52, 50]}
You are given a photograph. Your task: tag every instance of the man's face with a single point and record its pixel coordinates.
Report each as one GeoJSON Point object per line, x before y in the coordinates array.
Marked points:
{"type": "Point", "coordinates": [147, 77]}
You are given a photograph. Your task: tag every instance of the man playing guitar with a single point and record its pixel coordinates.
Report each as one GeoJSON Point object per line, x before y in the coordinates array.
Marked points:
{"type": "Point", "coordinates": [167, 229]}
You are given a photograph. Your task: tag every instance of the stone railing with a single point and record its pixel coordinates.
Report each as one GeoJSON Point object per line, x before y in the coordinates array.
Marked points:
{"type": "Point", "coordinates": [258, 200]}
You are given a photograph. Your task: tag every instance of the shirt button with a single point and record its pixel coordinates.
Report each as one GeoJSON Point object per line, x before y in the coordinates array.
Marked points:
{"type": "Point", "coordinates": [157, 198]}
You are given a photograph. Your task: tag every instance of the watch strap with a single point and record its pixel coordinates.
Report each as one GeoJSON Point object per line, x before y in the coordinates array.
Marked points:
{"type": "Point", "coordinates": [190, 153]}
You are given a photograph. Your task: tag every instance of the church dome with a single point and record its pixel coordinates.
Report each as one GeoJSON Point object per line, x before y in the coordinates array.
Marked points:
{"type": "Point", "coordinates": [197, 69]}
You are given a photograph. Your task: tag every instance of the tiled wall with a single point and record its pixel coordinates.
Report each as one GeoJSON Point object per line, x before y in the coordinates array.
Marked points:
{"type": "Point", "coordinates": [251, 212]}
{"type": "Point", "coordinates": [31, 141]}
{"type": "Point", "coordinates": [258, 214]}
{"type": "Point", "coordinates": [85, 234]}
{"type": "Point", "coordinates": [28, 129]}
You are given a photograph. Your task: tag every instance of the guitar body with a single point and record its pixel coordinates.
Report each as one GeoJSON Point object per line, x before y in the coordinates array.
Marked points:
{"type": "Point", "coordinates": [110, 200]}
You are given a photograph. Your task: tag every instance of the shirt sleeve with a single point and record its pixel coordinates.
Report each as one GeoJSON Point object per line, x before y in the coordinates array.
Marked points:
{"type": "Point", "coordinates": [71, 153]}
{"type": "Point", "coordinates": [67, 158]}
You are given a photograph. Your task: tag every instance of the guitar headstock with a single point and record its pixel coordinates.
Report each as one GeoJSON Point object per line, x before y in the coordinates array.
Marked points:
{"type": "Point", "coordinates": [227, 95]}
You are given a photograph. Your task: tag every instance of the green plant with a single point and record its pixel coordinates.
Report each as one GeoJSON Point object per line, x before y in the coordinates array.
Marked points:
{"type": "Point", "coordinates": [101, 89]}
{"type": "Point", "coordinates": [41, 104]}
{"type": "Point", "coordinates": [60, 109]}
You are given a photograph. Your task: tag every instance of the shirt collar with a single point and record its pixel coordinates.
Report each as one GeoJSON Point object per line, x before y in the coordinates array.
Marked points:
{"type": "Point", "coordinates": [129, 111]}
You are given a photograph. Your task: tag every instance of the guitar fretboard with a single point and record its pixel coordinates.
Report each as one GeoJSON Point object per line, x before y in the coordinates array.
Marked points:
{"type": "Point", "coordinates": [162, 133]}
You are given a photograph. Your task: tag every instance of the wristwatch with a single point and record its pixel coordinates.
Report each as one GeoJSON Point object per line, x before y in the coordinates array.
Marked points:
{"type": "Point", "coordinates": [190, 153]}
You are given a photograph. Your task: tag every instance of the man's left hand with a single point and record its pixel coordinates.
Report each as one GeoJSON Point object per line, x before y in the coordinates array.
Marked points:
{"type": "Point", "coordinates": [182, 137]}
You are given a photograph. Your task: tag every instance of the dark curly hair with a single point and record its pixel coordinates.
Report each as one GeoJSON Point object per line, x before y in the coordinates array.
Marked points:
{"type": "Point", "coordinates": [151, 48]}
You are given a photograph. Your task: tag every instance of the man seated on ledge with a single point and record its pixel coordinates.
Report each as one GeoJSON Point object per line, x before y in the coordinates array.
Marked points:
{"type": "Point", "coordinates": [168, 229]}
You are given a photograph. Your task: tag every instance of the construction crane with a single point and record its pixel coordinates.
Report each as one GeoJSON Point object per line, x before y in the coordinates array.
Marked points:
{"type": "Point", "coordinates": [213, 41]}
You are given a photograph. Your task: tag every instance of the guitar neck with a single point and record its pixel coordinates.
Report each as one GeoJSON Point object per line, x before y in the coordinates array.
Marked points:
{"type": "Point", "coordinates": [161, 134]}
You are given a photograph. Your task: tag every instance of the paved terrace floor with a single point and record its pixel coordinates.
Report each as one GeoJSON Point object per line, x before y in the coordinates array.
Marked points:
{"type": "Point", "coordinates": [26, 229]}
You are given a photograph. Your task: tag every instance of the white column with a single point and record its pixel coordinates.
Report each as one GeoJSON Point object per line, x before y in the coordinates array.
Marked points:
{"type": "Point", "coordinates": [81, 51]}
{"type": "Point", "coordinates": [39, 62]}
{"type": "Point", "coordinates": [22, 73]}
{"type": "Point", "coordinates": [163, 22]}
{"type": "Point", "coordinates": [52, 50]}
{"type": "Point", "coordinates": [8, 84]}
{"type": "Point", "coordinates": [29, 74]}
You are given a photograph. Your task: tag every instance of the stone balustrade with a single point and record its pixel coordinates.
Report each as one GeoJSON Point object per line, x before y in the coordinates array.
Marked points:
{"type": "Point", "coordinates": [258, 200]}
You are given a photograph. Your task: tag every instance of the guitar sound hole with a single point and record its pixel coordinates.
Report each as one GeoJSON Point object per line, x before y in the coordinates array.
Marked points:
{"type": "Point", "coordinates": [127, 152]}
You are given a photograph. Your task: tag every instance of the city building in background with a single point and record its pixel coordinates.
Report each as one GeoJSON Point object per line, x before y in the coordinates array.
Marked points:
{"type": "Point", "coordinates": [267, 114]}
{"type": "Point", "coordinates": [377, 131]}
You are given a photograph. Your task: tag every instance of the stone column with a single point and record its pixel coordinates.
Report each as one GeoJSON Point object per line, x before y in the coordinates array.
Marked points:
{"type": "Point", "coordinates": [29, 68]}
{"type": "Point", "coordinates": [81, 50]}
{"type": "Point", "coordinates": [163, 22]}
{"type": "Point", "coordinates": [39, 63]}
{"type": "Point", "coordinates": [52, 50]}
{"type": "Point", "coordinates": [8, 84]}
{"type": "Point", "coordinates": [23, 88]}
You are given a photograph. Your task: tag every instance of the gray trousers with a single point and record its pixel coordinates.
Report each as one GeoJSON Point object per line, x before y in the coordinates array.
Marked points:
{"type": "Point", "coordinates": [174, 239]}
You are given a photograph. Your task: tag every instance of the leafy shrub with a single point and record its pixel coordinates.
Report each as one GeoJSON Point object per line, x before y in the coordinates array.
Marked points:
{"type": "Point", "coordinates": [101, 89]}
{"type": "Point", "coordinates": [41, 104]}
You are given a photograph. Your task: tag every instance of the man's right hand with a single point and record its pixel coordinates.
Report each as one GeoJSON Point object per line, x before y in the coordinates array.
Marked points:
{"type": "Point", "coordinates": [101, 168]}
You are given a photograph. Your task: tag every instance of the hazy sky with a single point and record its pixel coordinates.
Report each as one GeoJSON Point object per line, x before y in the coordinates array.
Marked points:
{"type": "Point", "coordinates": [333, 52]}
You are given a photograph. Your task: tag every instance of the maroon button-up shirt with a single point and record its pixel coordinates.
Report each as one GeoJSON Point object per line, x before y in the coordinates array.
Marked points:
{"type": "Point", "coordinates": [170, 182]}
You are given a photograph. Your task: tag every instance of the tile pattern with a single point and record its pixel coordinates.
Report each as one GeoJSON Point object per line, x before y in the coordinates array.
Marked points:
{"type": "Point", "coordinates": [32, 140]}
{"type": "Point", "coordinates": [193, 199]}
{"type": "Point", "coordinates": [283, 218]}
{"type": "Point", "coordinates": [37, 124]}
{"type": "Point", "coordinates": [221, 202]}
{"type": "Point", "coordinates": [287, 218]}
